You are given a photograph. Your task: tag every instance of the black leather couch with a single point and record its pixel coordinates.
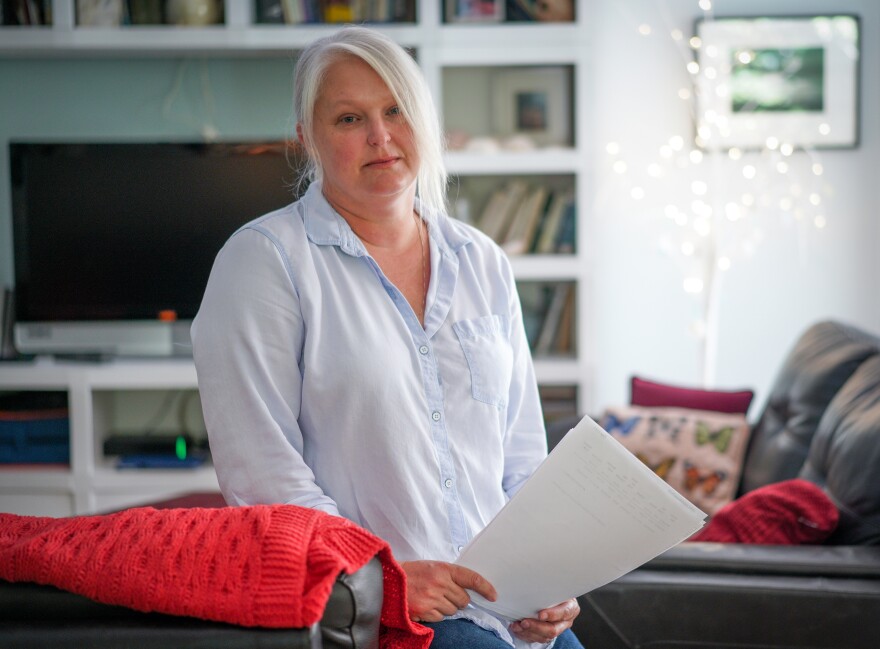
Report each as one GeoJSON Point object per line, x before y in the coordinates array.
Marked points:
{"type": "Point", "coordinates": [35, 617]}
{"type": "Point", "coordinates": [821, 423]}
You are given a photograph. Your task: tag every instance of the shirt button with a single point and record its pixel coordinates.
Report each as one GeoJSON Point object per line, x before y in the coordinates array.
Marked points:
{"type": "Point", "coordinates": [460, 548]}
{"type": "Point", "coordinates": [423, 350]}
{"type": "Point", "coordinates": [435, 416]}
{"type": "Point", "coordinates": [448, 483]}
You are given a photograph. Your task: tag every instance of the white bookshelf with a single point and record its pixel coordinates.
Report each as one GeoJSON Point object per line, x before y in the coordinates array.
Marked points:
{"type": "Point", "coordinates": [90, 484]}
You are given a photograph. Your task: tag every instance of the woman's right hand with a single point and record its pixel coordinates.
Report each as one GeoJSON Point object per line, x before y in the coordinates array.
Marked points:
{"type": "Point", "coordinates": [436, 589]}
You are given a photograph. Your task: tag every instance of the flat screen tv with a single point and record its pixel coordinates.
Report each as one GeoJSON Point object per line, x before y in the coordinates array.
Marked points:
{"type": "Point", "coordinates": [113, 242]}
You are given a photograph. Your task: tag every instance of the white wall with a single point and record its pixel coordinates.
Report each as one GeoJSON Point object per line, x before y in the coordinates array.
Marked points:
{"type": "Point", "coordinates": [797, 275]}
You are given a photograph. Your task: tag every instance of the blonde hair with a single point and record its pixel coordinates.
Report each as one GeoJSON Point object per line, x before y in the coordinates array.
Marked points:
{"type": "Point", "coordinates": [405, 81]}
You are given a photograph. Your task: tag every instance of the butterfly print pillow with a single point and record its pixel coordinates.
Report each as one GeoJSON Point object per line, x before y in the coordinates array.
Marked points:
{"type": "Point", "coordinates": [698, 452]}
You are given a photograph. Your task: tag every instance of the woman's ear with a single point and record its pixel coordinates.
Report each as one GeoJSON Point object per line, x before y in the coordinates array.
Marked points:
{"type": "Point", "coordinates": [300, 135]}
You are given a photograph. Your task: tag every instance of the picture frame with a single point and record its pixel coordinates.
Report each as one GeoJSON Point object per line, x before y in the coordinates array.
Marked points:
{"type": "Point", "coordinates": [533, 102]}
{"type": "Point", "coordinates": [779, 80]}
{"type": "Point", "coordinates": [474, 11]}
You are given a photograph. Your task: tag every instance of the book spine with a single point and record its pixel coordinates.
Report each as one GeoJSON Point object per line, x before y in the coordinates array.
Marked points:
{"type": "Point", "coordinates": [546, 240]}
{"type": "Point", "coordinates": [552, 320]}
{"type": "Point", "coordinates": [567, 233]}
{"type": "Point", "coordinates": [524, 221]}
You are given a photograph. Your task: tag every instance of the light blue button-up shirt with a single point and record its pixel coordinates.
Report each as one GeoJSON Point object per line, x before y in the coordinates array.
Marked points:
{"type": "Point", "coordinates": [321, 388]}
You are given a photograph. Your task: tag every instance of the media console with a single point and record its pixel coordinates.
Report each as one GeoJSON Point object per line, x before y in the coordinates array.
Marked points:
{"type": "Point", "coordinates": [101, 398]}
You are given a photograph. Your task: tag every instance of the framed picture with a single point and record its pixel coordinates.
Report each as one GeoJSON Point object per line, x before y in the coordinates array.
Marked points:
{"type": "Point", "coordinates": [474, 11]}
{"type": "Point", "coordinates": [789, 80]}
{"type": "Point", "coordinates": [533, 102]}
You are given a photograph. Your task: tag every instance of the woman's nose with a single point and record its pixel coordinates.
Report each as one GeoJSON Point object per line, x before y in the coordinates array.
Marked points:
{"type": "Point", "coordinates": [378, 134]}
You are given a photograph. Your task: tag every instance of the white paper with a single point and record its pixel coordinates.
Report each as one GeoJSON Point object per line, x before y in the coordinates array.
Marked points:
{"type": "Point", "coordinates": [590, 513]}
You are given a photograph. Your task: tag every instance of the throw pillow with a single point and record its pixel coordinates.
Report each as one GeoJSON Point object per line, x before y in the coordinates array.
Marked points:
{"type": "Point", "coordinates": [698, 452]}
{"type": "Point", "coordinates": [652, 394]}
{"type": "Point", "coordinates": [790, 512]}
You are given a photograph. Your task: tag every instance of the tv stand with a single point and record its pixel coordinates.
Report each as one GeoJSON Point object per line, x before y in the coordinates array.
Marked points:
{"type": "Point", "coordinates": [104, 396]}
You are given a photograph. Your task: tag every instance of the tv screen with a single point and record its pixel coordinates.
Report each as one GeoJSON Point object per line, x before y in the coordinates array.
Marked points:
{"type": "Point", "coordinates": [129, 231]}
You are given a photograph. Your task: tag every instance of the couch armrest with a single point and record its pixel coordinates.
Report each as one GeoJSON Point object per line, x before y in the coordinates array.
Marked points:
{"type": "Point", "coordinates": [351, 618]}
{"type": "Point", "coordinates": [746, 596]}
{"type": "Point", "coordinates": [44, 616]}
{"type": "Point", "coordinates": [33, 615]}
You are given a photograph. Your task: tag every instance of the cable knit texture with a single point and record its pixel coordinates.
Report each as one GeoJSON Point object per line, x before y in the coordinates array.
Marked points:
{"type": "Point", "coordinates": [790, 512]}
{"type": "Point", "coordinates": [261, 566]}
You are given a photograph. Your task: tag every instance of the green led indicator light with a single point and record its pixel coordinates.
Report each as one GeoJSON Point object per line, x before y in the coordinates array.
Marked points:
{"type": "Point", "coordinates": [180, 447]}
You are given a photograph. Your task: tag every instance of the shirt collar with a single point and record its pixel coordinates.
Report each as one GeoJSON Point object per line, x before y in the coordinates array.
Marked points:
{"type": "Point", "coordinates": [324, 226]}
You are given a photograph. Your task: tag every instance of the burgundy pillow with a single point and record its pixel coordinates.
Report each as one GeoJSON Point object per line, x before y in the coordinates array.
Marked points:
{"type": "Point", "coordinates": [659, 395]}
{"type": "Point", "coordinates": [790, 512]}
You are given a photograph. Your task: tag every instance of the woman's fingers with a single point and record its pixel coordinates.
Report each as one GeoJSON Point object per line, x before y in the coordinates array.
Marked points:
{"type": "Point", "coordinates": [467, 578]}
{"type": "Point", "coordinates": [548, 623]}
{"type": "Point", "coordinates": [436, 589]}
{"type": "Point", "coordinates": [567, 610]}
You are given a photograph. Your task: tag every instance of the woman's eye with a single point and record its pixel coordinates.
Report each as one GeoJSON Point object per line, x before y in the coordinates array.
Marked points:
{"type": "Point", "coordinates": [394, 110]}
{"type": "Point", "coordinates": [347, 119]}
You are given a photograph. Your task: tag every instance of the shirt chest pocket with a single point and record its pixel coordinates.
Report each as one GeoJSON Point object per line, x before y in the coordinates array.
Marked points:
{"type": "Point", "coordinates": [489, 356]}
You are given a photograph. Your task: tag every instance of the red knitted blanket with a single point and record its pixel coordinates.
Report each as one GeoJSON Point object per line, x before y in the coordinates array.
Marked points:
{"type": "Point", "coordinates": [782, 513]}
{"type": "Point", "coordinates": [261, 566]}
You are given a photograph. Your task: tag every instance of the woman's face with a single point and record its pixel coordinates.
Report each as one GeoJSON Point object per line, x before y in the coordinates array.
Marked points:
{"type": "Point", "coordinates": [364, 144]}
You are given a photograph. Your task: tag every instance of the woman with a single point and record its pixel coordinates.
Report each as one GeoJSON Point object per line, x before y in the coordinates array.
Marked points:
{"type": "Point", "coordinates": [363, 354]}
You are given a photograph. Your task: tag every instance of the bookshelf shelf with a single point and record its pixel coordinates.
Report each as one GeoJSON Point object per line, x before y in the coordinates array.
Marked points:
{"type": "Point", "coordinates": [109, 478]}
{"type": "Point", "coordinates": [546, 268]}
{"type": "Point", "coordinates": [90, 484]}
{"type": "Point", "coordinates": [558, 371]}
{"type": "Point", "coordinates": [538, 161]}
{"type": "Point", "coordinates": [29, 477]}
{"type": "Point", "coordinates": [262, 40]}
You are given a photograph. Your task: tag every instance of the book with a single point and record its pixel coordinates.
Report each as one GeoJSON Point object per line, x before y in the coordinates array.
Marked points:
{"type": "Point", "coordinates": [546, 241]}
{"type": "Point", "coordinates": [269, 12]}
{"type": "Point", "coordinates": [524, 222]}
{"type": "Point", "coordinates": [533, 300]}
{"type": "Point", "coordinates": [339, 11]}
{"type": "Point", "coordinates": [23, 12]}
{"type": "Point", "coordinates": [565, 342]}
{"type": "Point", "coordinates": [552, 319]}
{"type": "Point", "coordinates": [404, 11]}
{"type": "Point", "coordinates": [495, 219]}
{"type": "Point", "coordinates": [293, 11]}
{"type": "Point", "coordinates": [489, 219]}
{"type": "Point", "coordinates": [565, 241]}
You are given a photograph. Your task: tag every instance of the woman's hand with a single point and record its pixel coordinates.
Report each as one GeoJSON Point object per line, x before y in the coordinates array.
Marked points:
{"type": "Point", "coordinates": [435, 589]}
{"type": "Point", "coordinates": [548, 624]}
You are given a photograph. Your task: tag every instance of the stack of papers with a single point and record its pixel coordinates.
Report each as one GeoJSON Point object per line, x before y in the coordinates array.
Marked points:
{"type": "Point", "coordinates": [590, 513]}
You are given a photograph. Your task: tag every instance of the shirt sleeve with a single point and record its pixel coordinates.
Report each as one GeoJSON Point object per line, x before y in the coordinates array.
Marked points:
{"type": "Point", "coordinates": [525, 439]}
{"type": "Point", "coordinates": [247, 346]}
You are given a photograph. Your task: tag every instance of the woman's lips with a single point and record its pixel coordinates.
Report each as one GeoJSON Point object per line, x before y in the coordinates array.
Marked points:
{"type": "Point", "coordinates": [382, 162]}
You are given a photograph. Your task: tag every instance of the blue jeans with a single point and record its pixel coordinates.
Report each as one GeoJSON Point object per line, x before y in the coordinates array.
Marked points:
{"type": "Point", "coordinates": [464, 634]}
